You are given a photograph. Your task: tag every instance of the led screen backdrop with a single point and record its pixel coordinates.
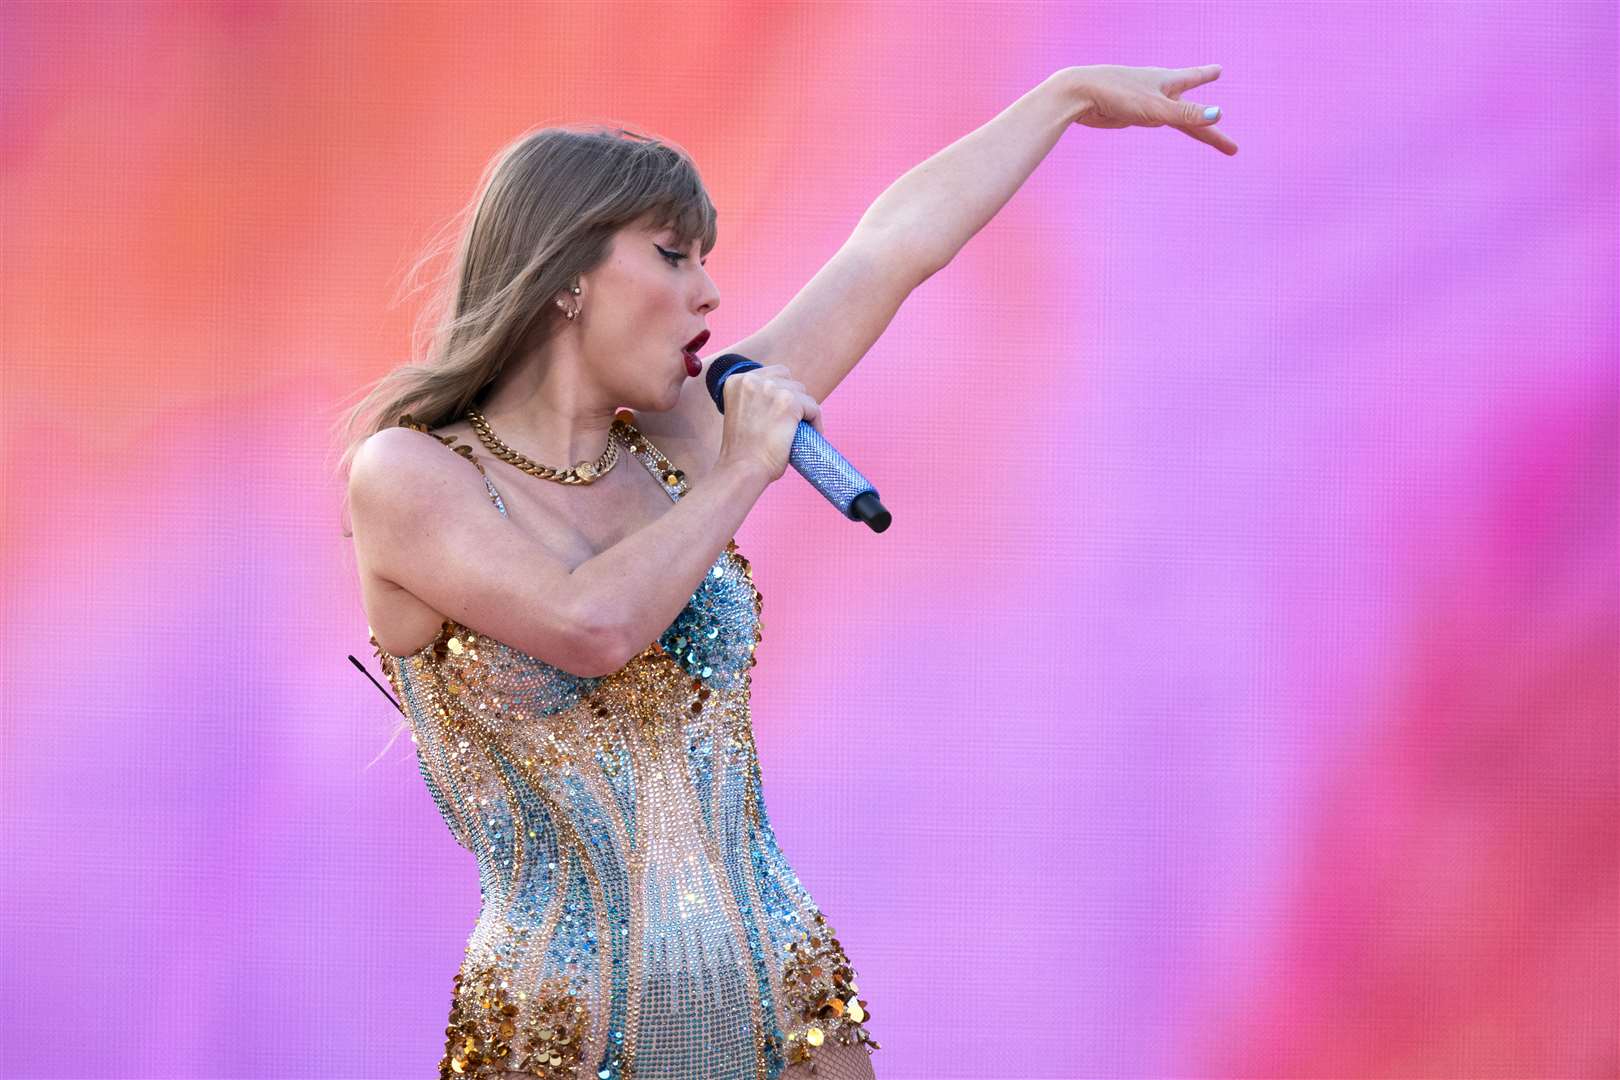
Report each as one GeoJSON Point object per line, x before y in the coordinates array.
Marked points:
{"type": "Point", "coordinates": [1233, 695]}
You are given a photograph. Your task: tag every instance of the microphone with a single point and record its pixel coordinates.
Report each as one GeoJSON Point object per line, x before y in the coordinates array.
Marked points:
{"type": "Point", "coordinates": [812, 455]}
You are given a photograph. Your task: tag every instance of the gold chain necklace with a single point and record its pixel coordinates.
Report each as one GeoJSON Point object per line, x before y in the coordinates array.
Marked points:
{"type": "Point", "coordinates": [586, 472]}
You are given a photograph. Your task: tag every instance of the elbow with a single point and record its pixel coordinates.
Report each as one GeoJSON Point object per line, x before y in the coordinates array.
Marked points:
{"type": "Point", "coordinates": [604, 646]}
{"type": "Point", "coordinates": [903, 247]}
{"type": "Point", "coordinates": [920, 267]}
{"type": "Point", "coordinates": [578, 643]}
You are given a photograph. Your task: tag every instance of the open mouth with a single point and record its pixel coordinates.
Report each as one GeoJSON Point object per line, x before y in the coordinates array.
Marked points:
{"type": "Point", "coordinates": [697, 343]}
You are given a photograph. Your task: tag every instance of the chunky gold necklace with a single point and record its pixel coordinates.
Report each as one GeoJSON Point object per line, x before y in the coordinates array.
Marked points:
{"type": "Point", "coordinates": [586, 472]}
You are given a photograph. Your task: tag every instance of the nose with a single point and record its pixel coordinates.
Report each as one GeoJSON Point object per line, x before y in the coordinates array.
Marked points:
{"type": "Point", "coordinates": [708, 295]}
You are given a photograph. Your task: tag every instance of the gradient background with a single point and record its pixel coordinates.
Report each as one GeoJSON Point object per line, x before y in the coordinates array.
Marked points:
{"type": "Point", "coordinates": [1234, 695]}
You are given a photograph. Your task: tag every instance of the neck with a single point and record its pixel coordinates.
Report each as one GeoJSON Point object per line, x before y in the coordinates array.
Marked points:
{"type": "Point", "coordinates": [544, 408]}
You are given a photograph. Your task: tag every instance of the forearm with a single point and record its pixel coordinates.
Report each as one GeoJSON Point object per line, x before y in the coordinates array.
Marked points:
{"type": "Point", "coordinates": [639, 585]}
{"type": "Point", "coordinates": [935, 208]}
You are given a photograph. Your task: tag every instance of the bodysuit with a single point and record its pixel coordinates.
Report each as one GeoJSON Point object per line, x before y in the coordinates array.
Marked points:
{"type": "Point", "coordinates": [638, 919]}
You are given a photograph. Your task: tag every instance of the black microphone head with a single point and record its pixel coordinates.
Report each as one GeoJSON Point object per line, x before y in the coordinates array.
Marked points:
{"type": "Point", "coordinates": [719, 368]}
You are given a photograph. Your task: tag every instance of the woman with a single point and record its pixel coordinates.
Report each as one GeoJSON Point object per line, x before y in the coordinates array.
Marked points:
{"type": "Point", "coordinates": [571, 645]}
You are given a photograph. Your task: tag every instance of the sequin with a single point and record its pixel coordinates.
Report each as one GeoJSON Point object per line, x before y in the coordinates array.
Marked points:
{"type": "Point", "coordinates": [639, 917]}
{"type": "Point", "coordinates": [819, 990]}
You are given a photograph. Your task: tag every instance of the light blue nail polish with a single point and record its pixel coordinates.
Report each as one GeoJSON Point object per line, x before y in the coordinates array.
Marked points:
{"type": "Point", "coordinates": [1212, 112]}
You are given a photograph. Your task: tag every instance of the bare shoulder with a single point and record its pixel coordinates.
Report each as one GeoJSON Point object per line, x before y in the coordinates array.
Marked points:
{"type": "Point", "coordinates": [401, 477]}
{"type": "Point", "coordinates": [397, 453]}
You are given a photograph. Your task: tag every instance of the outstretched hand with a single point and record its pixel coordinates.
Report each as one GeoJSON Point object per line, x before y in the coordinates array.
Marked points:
{"type": "Point", "coordinates": [1113, 96]}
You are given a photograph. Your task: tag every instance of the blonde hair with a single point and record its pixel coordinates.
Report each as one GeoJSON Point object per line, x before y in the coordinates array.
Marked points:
{"type": "Point", "coordinates": [546, 211]}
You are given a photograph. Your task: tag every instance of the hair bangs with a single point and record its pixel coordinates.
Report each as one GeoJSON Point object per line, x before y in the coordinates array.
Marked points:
{"type": "Point", "coordinates": [676, 199]}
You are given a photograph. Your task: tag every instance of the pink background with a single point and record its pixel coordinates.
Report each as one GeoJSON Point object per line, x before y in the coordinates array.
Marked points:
{"type": "Point", "coordinates": [1234, 695]}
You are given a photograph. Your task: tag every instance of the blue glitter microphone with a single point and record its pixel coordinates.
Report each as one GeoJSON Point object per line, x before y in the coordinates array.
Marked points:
{"type": "Point", "coordinates": [812, 455]}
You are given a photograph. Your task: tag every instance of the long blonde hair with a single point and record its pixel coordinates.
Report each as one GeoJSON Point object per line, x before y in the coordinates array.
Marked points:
{"type": "Point", "coordinates": [546, 211]}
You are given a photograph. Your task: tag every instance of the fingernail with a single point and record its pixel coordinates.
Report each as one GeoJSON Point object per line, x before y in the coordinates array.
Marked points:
{"type": "Point", "coordinates": [1212, 112]}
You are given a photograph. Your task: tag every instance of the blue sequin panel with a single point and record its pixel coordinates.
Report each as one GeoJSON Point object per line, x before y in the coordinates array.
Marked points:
{"type": "Point", "coordinates": [612, 871]}
{"type": "Point", "coordinates": [537, 882]}
{"type": "Point", "coordinates": [430, 758]}
{"type": "Point", "coordinates": [764, 956]}
{"type": "Point", "coordinates": [700, 750]}
{"type": "Point", "coordinates": [711, 638]}
{"type": "Point", "coordinates": [780, 892]}
{"type": "Point", "coordinates": [572, 948]}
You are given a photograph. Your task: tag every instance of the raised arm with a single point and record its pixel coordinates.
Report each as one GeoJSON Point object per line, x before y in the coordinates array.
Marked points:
{"type": "Point", "coordinates": [919, 223]}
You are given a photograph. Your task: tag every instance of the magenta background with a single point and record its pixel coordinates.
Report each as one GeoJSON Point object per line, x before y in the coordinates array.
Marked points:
{"type": "Point", "coordinates": [1234, 695]}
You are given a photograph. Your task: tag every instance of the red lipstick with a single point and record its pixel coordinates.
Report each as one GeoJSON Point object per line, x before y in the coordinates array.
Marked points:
{"type": "Point", "coordinates": [694, 366]}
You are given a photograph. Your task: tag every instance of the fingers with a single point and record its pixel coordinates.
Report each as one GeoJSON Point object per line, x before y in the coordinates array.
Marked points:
{"type": "Point", "coordinates": [1187, 78]}
{"type": "Point", "coordinates": [809, 407]}
{"type": "Point", "coordinates": [1193, 120]}
{"type": "Point", "coordinates": [1213, 136]}
{"type": "Point", "coordinates": [1199, 120]}
{"type": "Point", "coordinates": [1192, 114]}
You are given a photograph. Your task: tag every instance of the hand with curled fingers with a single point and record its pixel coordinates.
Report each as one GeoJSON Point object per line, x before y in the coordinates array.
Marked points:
{"type": "Point", "coordinates": [763, 408]}
{"type": "Point", "coordinates": [1114, 96]}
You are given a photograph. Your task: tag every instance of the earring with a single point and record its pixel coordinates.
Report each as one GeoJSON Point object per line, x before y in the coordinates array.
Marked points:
{"type": "Point", "coordinates": [573, 313]}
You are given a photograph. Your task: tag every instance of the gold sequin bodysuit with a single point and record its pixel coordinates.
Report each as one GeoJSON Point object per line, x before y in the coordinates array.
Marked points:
{"type": "Point", "coordinates": [638, 919]}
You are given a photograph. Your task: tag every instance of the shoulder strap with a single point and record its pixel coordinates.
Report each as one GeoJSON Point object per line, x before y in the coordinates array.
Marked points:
{"type": "Point", "coordinates": [663, 470]}
{"type": "Point", "coordinates": [464, 450]}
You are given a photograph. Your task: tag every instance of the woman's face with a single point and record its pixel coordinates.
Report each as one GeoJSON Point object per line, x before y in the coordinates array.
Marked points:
{"type": "Point", "coordinates": [639, 310]}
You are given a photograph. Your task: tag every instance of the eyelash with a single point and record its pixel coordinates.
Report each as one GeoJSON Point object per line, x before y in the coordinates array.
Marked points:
{"type": "Point", "coordinates": [675, 257]}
